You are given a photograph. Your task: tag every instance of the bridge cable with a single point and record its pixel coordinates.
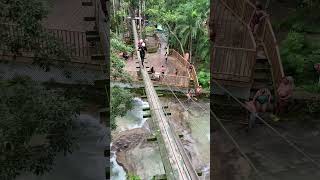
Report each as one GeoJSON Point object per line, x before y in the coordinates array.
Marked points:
{"type": "Point", "coordinates": [229, 135]}
{"type": "Point", "coordinates": [272, 128]}
{"type": "Point", "coordinates": [268, 125]}
{"type": "Point", "coordinates": [139, 58]}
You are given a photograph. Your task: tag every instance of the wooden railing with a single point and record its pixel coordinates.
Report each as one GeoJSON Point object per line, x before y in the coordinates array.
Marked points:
{"type": "Point", "coordinates": [266, 35]}
{"type": "Point", "coordinates": [234, 54]}
{"type": "Point", "coordinates": [192, 74]}
{"type": "Point", "coordinates": [73, 41]}
{"type": "Point", "coordinates": [103, 27]}
{"type": "Point", "coordinates": [245, 11]}
{"type": "Point", "coordinates": [173, 80]}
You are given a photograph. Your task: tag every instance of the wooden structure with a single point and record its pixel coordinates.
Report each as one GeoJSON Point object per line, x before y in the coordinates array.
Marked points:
{"type": "Point", "coordinates": [237, 53]}
{"type": "Point", "coordinates": [86, 47]}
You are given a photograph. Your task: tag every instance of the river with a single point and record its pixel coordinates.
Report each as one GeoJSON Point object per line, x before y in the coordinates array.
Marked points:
{"type": "Point", "coordinates": [145, 159]}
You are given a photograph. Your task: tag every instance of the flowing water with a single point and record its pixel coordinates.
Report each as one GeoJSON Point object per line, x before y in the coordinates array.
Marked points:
{"type": "Point", "coordinates": [199, 122]}
{"type": "Point", "coordinates": [134, 118]}
{"type": "Point", "coordinates": [117, 172]}
{"type": "Point", "coordinates": [147, 160]}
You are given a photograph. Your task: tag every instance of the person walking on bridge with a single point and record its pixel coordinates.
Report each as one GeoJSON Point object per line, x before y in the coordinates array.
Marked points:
{"type": "Point", "coordinates": [142, 50]}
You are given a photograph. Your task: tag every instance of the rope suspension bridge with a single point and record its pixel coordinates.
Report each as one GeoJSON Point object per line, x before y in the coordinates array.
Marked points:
{"type": "Point", "coordinates": [176, 162]}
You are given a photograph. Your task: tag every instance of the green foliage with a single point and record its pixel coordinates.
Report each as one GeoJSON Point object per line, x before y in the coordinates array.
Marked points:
{"type": "Point", "coordinates": [150, 30]}
{"type": "Point", "coordinates": [121, 102]}
{"type": "Point", "coordinates": [133, 177]}
{"type": "Point", "coordinates": [298, 57]}
{"type": "Point", "coordinates": [117, 63]}
{"type": "Point", "coordinates": [304, 18]}
{"type": "Point", "coordinates": [313, 88]}
{"type": "Point", "coordinates": [204, 78]}
{"type": "Point", "coordinates": [26, 33]}
{"type": "Point", "coordinates": [35, 125]}
{"type": "Point", "coordinates": [184, 22]}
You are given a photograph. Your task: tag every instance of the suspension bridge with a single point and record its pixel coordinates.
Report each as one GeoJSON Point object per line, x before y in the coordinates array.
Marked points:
{"type": "Point", "coordinates": [175, 159]}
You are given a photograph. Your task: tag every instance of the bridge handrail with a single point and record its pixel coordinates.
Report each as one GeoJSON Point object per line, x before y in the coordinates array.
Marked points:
{"type": "Point", "coordinates": [233, 61]}
{"type": "Point", "coordinates": [269, 41]}
{"type": "Point", "coordinates": [193, 73]}
{"type": "Point", "coordinates": [102, 15]}
{"type": "Point", "coordinates": [240, 11]}
{"type": "Point", "coordinates": [266, 34]}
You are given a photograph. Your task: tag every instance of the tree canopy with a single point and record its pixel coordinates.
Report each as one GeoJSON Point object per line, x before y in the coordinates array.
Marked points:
{"type": "Point", "coordinates": [23, 31]}
{"type": "Point", "coordinates": [35, 125]}
{"type": "Point", "coordinates": [185, 22]}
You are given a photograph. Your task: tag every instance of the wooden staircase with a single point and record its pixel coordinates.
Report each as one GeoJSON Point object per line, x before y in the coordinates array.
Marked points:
{"type": "Point", "coordinates": [262, 75]}
{"type": "Point", "coordinates": [262, 62]}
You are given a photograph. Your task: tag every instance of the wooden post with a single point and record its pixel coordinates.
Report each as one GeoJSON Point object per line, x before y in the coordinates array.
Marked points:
{"type": "Point", "coordinates": [140, 24]}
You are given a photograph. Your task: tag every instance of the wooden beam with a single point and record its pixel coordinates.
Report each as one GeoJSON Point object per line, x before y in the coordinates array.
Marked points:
{"type": "Point", "coordinates": [93, 38]}
{"type": "Point", "coordinates": [88, 3]}
{"type": "Point", "coordinates": [147, 116]}
{"type": "Point", "coordinates": [92, 33]}
{"type": "Point", "coordinates": [89, 18]}
{"type": "Point", "coordinates": [98, 57]}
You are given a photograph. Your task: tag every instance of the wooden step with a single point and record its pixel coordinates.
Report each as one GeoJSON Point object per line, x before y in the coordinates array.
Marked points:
{"type": "Point", "coordinates": [152, 138]}
{"type": "Point", "coordinates": [160, 177]}
{"type": "Point", "coordinates": [89, 18]}
{"type": "Point", "coordinates": [92, 33]}
{"type": "Point", "coordinates": [262, 67]}
{"type": "Point", "coordinates": [93, 38]}
{"type": "Point", "coordinates": [98, 57]}
{"type": "Point", "coordinates": [259, 85]}
{"type": "Point", "coordinates": [262, 77]}
{"type": "Point", "coordinates": [87, 3]}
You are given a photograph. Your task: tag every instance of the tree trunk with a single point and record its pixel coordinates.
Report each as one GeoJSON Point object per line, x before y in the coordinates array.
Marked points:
{"type": "Point", "coordinates": [181, 46]}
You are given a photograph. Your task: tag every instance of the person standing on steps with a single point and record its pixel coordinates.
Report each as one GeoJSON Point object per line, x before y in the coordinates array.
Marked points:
{"type": "Point", "coordinates": [176, 72]}
{"type": "Point", "coordinates": [198, 90]}
{"type": "Point", "coordinates": [189, 96]}
{"type": "Point", "coordinates": [262, 100]}
{"type": "Point", "coordinates": [259, 104]}
{"type": "Point", "coordinates": [257, 18]}
{"type": "Point", "coordinates": [253, 113]}
{"type": "Point", "coordinates": [284, 91]}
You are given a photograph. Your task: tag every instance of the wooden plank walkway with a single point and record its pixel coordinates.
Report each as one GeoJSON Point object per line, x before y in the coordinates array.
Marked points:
{"type": "Point", "coordinates": [179, 166]}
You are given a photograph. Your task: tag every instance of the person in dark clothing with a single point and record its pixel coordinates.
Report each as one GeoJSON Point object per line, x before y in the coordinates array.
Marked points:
{"type": "Point", "coordinates": [152, 70]}
{"type": "Point", "coordinates": [257, 18]}
{"type": "Point", "coordinates": [125, 55]}
{"type": "Point", "coordinates": [142, 55]}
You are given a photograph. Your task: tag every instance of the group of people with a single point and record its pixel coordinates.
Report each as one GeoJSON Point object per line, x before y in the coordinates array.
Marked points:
{"type": "Point", "coordinates": [261, 102]}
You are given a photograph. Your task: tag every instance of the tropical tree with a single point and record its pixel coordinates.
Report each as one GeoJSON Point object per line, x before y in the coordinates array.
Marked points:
{"type": "Point", "coordinates": [186, 24]}
{"type": "Point", "coordinates": [121, 102]}
{"type": "Point", "coordinates": [35, 125]}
